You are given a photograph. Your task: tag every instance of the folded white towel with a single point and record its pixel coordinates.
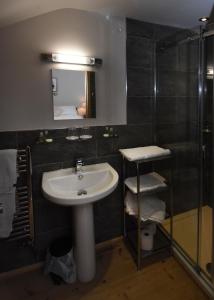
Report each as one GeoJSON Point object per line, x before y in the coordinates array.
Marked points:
{"type": "Point", "coordinates": [140, 153]}
{"type": "Point", "coordinates": [148, 182]}
{"type": "Point", "coordinates": [8, 210]}
{"type": "Point", "coordinates": [151, 207]}
{"type": "Point", "coordinates": [8, 171]}
{"type": "Point", "coordinates": [8, 177]}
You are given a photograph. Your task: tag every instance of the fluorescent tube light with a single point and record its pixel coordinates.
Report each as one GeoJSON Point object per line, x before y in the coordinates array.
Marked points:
{"type": "Point", "coordinates": [71, 59]}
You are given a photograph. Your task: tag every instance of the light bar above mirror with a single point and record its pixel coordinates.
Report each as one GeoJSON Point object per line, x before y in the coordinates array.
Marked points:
{"type": "Point", "coordinates": [71, 59]}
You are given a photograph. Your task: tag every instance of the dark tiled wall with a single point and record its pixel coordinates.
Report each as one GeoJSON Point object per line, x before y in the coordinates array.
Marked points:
{"type": "Point", "coordinates": [140, 75]}
{"type": "Point", "coordinates": [51, 220]}
{"type": "Point", "coordinates": [141, 62]}
{"type": "Point", "coordinates": [177, 102]}
{"type": "Point", "coordinates": [172, 115]}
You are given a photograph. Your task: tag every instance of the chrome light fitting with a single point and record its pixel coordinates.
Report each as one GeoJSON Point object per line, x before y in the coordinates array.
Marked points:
{"type": "Point", "coordinates": [204, 19]}
{"type": "Point", "coordinates": [71, 59]}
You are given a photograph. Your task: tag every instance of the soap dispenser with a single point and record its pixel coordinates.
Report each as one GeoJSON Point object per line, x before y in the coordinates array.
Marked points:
{"type": "Point", "coordinates": [106, 132]}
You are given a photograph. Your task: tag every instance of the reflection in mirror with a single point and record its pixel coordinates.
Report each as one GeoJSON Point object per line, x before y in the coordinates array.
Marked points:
{"type": "Point", "coordinates": [73, 94]}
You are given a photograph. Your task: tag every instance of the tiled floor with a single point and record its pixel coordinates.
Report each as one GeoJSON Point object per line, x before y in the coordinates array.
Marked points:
{"type": "Point", "coordinates": [116, 278]}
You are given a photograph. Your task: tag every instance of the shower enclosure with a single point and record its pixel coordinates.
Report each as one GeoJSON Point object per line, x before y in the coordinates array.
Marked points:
{"type": "Point", "coordinates": [184, 109]}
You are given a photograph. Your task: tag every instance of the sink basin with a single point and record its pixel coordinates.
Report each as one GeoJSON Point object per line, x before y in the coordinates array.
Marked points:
{"type": "Point", "coordinates": [80, 190]}
{"type": "Point", "coordinates": [65, 187]}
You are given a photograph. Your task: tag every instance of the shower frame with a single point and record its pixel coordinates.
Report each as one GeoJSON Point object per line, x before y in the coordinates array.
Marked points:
{"type": "Point", "coordinates": [190, 264]}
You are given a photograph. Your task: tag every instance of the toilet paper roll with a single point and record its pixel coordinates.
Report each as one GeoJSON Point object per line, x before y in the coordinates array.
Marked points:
{"type": "Point", "coordinates": [147, 240]}
{"type": "Point", "coordinates": [151, 228]}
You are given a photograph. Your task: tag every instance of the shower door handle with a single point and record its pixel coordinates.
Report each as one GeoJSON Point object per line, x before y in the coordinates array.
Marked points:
{"type": "Point", "coordinates": [206, 130]}
{"type": "Point", "coordinates": [204, 152]}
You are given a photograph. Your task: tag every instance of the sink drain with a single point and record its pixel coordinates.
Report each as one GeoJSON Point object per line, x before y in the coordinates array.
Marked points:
{"type": "Point", "coordinates": [82, 192]}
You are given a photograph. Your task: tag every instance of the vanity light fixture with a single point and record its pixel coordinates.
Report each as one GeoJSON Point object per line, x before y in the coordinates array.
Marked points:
{"type": "Point", "coordinates": [71, 59]}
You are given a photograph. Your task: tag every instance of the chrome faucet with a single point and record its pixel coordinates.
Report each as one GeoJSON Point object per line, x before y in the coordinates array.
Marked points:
{"type": "Point", "coordinates": [79, 165]}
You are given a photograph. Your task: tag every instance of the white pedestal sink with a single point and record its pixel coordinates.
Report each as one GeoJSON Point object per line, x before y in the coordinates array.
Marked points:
{"type": "Point", "coordinates": [80, 190]}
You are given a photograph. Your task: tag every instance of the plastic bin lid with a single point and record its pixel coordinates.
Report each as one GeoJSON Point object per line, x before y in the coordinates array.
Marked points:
{"type": "Point", "coordinates": [61, 246]}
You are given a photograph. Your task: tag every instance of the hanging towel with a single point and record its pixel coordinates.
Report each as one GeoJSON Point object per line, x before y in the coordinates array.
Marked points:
{"type": "Point", "coordinates": [8, 170]}
{"type": "Point", "coordinates": [151, 207]}
{"type": "Point", "coordinates": [8, 178]}
{"type": "Point", "coordinates": [140, 153]}
{"type": "Point", "coordinates": [8, 210]}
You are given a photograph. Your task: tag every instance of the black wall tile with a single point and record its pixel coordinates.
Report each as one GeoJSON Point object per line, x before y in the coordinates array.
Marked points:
{"type": "Point", "coordinates": [139, 28]}
{"type": "Point", "coordinates": [163, 32]}
{"type": "Point", "coordinates": [193, 114]}
{"type": "Point", "coordinates": [8, 140]}
{"type": "Point", "coordinates": [166, 110]}
{"type": "Point", "coordinates": [140, 52]}
{"type": "Point", "coordinates": [14, 255]}
{"type": "Point", "coordinates": [183, 109]}
{"type": "Point", "coordinates": [139, 82]}
{"type": "Point", "coordinates": [188, 56]}
{"type": "Point", "coordinates": [27, 138]}
{"type": "Point", "coordinates": [176, 83]}
{"type": "Point", "coordinates": [168, 59]}
{"type": "Point", "coordinates": [167, 83]}
{"type": "Point", "coordinates": [139, 110]}
{"type": "Point", "coordinates": [172, 133]}
{"type": "Point", "coordinates": [187, 84]}
{"type": "Point", "coordinates": [50, 216]}
{"type": "Point", "coordinates": [46, 238]}
{"type": "Point", "coordinates": [62, 150]}
{"type": "Point", "coordinates": [105, 146]}
{"type": "Point", "coordinates": [134, 136]}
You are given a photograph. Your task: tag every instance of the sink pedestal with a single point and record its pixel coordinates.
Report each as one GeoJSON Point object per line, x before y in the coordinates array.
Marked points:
{"type": "Point", "coordinates": [84, 247]}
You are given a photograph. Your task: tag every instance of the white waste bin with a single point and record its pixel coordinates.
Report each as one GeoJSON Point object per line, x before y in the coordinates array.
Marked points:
{"type": "Point", "coordinates": [60, 262]}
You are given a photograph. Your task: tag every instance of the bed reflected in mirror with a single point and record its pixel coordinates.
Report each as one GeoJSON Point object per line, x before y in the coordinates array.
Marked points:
{"type": "Point", "coordinates": [73, 94]}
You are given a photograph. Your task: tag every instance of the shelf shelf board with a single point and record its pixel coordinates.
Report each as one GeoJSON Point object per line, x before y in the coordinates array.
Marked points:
{"type": "Point", "coordinates": [155, 183]}
{"type": "Point", "coordinates": [135, 218]}
{"type": "Point", "coordinates": [152, 159]}
{"type": "Point", "coordinates": [149, 159]}
{"type": "Point", "coordinates": [161, 244]}
{"type": "Point", "coordinates": [149, 184]}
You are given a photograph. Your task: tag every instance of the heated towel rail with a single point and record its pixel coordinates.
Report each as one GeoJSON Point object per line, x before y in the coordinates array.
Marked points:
{"type": "Point", "coordinates": [23, 224]}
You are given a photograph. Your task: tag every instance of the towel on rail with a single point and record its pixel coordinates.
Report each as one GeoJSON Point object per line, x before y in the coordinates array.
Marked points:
{"type": "Point", "coordinates": [8, 178]}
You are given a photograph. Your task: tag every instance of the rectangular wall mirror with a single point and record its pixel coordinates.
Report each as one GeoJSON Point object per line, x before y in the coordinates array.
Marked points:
{"type": "Point", "coordinates": [73, 94]}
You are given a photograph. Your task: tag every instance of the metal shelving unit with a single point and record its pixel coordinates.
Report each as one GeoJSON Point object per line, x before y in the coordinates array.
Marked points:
{"type": "Point", "coordinates": [132, 235]}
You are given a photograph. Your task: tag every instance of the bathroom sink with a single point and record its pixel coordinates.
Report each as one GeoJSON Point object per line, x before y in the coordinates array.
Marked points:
{"type": "Point", "coordinates": [79, 190]}
{"type": "Point", "coordinates": [67, 187]}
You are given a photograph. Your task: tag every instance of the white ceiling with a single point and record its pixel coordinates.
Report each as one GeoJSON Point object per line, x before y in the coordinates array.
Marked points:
{"type": "Point", "coordinates": [182, 13]}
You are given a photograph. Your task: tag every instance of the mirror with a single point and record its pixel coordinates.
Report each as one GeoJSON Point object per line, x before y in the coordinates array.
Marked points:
{"type": "Point", "coordinates": [73, 94]}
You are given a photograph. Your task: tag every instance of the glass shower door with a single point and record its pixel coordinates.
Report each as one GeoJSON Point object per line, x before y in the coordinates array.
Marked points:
{"type": "Point", "coordinates": [177, 118]}
{"type": "Point", "coordinates": [206, 209]}
{"type": "Point", "coordinates": [184, 106]}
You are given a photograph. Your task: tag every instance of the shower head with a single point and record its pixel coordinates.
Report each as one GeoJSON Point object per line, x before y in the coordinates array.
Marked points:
{"type": "Point", "coordinates": [203, 19]}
